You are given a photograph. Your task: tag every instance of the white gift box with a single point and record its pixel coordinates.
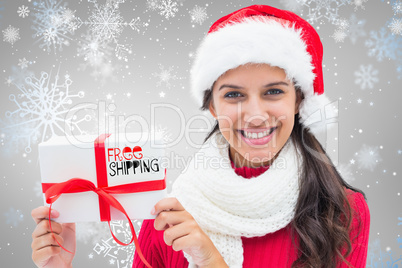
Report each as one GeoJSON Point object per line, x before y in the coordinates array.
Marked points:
{"type": "Point", "coordinates": [130, 158]}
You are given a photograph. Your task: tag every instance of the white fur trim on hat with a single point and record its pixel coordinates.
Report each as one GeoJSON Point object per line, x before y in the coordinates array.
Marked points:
{"type": "Point", "coordinates": [256, 39]}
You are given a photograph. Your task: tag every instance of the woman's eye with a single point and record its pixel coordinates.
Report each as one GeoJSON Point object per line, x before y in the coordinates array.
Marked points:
{"type": "Point", "coordinates": [232, 95]}
{"type": "Point", "coordinates": [274, 91]}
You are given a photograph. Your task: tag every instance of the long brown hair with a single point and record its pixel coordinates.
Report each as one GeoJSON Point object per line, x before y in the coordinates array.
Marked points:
{"type": "Point", "coordinates": [323, 215]}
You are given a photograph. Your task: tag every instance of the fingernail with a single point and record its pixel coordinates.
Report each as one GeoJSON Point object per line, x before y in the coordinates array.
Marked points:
{"type": "Point", "coordinates": [54, 213]}
{"type": "Point", "coordinates": [153, 211]}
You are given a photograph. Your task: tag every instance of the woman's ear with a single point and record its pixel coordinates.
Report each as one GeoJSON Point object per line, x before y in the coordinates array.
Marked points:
{"type": "Point", "coordinates": [212, 109]}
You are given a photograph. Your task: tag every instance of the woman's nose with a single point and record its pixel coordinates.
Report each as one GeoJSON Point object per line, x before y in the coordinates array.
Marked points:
{"type": "Point", "coordinates": [254, 112]}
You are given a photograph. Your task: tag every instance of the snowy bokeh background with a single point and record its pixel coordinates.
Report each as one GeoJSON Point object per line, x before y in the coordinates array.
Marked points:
{"type": "Point", "coordinates": [83, 66]}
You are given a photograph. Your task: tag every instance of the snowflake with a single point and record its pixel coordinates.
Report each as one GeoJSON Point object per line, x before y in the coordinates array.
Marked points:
{"type": "Point", "coordinates": [318, 9]}
{"type": "Point", "coordinates": [346, 173]}
{"type": "Point", "coordinates": [168, 8]}
{"type": "Point", "coordinates": [164, 132]}
{"type": "Point", "coordinates": [377, 258]}
{"type": "Point", "coordinates": [293, 5]}
{"type": "Point", "coordinates": [165, 76]}
{"type": "Point", "coordinates": [366, 76]}
{"type": "Point", "coordinates": [121, 256]}
{"type": "Point", "coordinates": [355, 28]}
{"type": "Point", "coordinates": [51, 26]}
{"type": "Point", "coordinates": [42, 109]}
{"type": "Point", "coordinates": [368, 157]}
{"type": "Point", "coordinates": [381, 44]}
{"type": "Point", "coordinates": [153, 5]}
{"type": "Point", "coordinates": [397, 7]}
{"type": "Point", "coordinates": [396, 26]}
{"type": "Point", "coordinates": [198, 14]}
{"type": "Point", "coordinates": [358, 3]}
{"type": "Point", "coordinates": [13, 216]}
{"type": "Point", "coordinates": [339, 35]}
{"type": "Point", "coordinates": [11, 34]}
{"type": "Point", "coordinates": [23, 63]}
{"type": "Point", "coordinates": [106, 24]}
{"type": "Point", "coordinates": [23, 11]}
{"type": "Point", "coordinates": [342, 24]}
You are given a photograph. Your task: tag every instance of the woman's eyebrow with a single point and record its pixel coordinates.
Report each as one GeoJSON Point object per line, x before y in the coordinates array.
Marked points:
{"type": "Point", "coordinates": [267, 85]}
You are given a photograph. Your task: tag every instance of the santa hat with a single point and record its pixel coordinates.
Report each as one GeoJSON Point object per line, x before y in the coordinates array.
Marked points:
{"type": "Point", "coordinates": [264, 34]}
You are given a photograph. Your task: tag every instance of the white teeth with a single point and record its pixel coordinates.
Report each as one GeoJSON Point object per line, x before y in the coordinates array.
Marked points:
{"type": "Point", "coordinates": [254, 135]}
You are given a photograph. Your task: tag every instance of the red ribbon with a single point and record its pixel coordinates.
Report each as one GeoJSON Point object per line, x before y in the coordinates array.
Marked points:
{"type": "Point", "coordinates": [77, 185]}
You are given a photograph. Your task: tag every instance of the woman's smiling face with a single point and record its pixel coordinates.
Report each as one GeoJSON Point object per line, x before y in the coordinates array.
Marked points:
{"type": "Point", "coordinates": [255, 106]}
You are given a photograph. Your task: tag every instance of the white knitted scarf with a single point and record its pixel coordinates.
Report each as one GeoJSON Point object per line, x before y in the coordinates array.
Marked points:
{"type": "Point", "coordinates": [227, 206]}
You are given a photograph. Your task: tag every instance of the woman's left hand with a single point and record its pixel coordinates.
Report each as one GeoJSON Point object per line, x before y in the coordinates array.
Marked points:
{"type": "Point", "coordinates": [182, 232]}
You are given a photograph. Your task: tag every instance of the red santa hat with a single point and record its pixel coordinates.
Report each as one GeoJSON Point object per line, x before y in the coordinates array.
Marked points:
{"type": "Point", "coordinates": [264, 34]}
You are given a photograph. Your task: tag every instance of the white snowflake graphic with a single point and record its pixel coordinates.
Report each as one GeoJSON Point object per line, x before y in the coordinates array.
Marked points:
{"type": "Point", "coordinates": [164, 132]}
{"type": "Point", "coordinates": [366, 76]}
{"type": "Point", "coordinates": [23, 11]}
{"type": "Point", "coordinates": [396, 26]}
{"type": "Point", "coordinates": [165, 76]}
{"type": "Point", "coordinates": [345, 170]}
{"type": "Point", "coordinates": [42, 105]}
{"type": "Point", "coordinates": [319, 9]}
{"type": "Point", "coordinates": [293, 5]}
{"type": "Point", "coordinates": [106, 24]}
{"type": "Point", "coordinates": [381, 45]}
{"type": "Point", "coordinates": [153, 5]}
{"type": "Point", "coordinates": [121, 256]}
{"type": "Point", "coordinates": [198, 14]}
{"type": "Point", "coordinates": [52, 27]}
{"type": "Point", "coordinates": [339, 35]}
{"type": "Point", "coordinates": [342, 24]}
{"type": "Point", "coordinates": [23, 63]}
{"type": "Point", "coordinates": [168, 8]}
{"type": "Point", "coordinates": [355, 28]}
{"type": "Point", "coordinates": [11, 34]}
{"type": "Point", "coordinates": [368, 157]}
{"type": "Point", "coordinates": [397, 7]}
{"type": "Point", "coordinates": [14, 217]}
{"type": "Point", "coordinates": [358, 3]}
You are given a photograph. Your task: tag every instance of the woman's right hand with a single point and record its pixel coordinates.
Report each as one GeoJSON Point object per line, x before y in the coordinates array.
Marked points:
{"type": "Point", "coordinates": [45, 250]}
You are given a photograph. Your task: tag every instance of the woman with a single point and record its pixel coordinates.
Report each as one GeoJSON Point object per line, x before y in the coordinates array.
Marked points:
{"type": "Point", "coordinates": [274, 199]}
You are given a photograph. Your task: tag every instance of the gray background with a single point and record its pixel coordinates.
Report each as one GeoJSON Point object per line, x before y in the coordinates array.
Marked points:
{"type": "Point", "coordinates": [368, 149]}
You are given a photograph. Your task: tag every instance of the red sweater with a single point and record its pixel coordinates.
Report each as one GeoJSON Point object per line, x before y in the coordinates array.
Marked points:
{"type": "Point", "coordinates": [272, 250]}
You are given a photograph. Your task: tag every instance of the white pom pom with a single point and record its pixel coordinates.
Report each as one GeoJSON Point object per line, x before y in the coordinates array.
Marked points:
{"type": "Point", "coordinates": [318, 113]}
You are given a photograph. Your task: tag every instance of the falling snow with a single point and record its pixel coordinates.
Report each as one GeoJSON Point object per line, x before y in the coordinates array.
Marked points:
{"type": "Point", "coordinates": [42, 109]}
{"type": "Point", "coordinates": [51, 27]}
{"type": "Point", "coordinates": [366, 76]}
{"type": "Point", "coordinates": [11, 34]}
{"type": "Point", "coordinates": [120, 256]}
{"type": "Point", "coordinates": [198, 14]}
{"type": "Point", "coordinates": [397, 7]}
{"type": "Point", "coordinates": [153, 5]}
{"type": "Point", "coordinates": [13, 217]}
{"type": "Point", "coordinates": [339, 35]}
{"type": "Point", "coordinates": [381, 45]}
{"type": "Point", "coordinates": [396, 26]}
{"type": "Point", "coordinates": [318, 9]}
{"type": "Point", "coordinates": [165, 76]}
{"type": "Point", "coordinates": [23, 63]}
{"type": "Point", "coordinates": [368, 157]}
{"type": "Point", "coordinates": [376, 257]}
{"type": "Point", "coordinates": [23, 11]}
{"type": "Point", "coordinates": [355, 28]}
{"type": "Point", "coordinates": [168, 8]}
{"type": "Point", "coordinates": [358, 3]}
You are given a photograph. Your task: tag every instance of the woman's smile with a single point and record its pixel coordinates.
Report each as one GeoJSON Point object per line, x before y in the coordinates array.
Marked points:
{"type": "Point", "coordinates": [257, 136]}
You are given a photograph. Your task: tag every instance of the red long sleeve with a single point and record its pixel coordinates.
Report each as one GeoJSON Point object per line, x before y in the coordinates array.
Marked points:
{"type": "Point", "coordinates": [272, 250]}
